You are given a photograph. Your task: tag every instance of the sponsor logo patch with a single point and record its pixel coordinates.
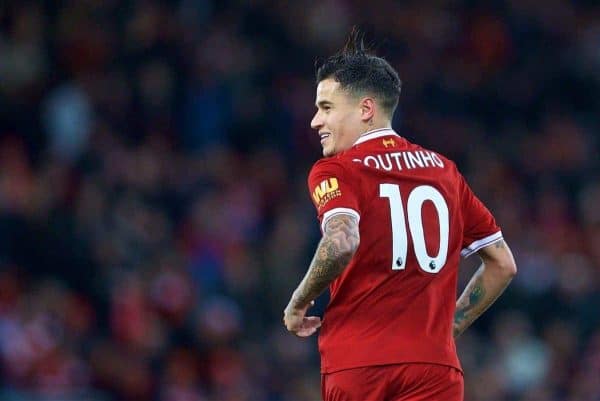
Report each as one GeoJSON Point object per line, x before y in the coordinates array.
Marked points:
{"type": "Point", "coordinates": [327, 190]}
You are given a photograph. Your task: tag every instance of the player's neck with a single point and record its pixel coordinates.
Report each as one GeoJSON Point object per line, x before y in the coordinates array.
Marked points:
{"type": "Point", "coordinates": [374, 131]}
{"type": "Point", "coordinates": [376, 127]}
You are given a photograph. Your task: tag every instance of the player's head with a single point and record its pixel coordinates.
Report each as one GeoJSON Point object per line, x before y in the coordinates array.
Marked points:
{"type": "Point", "coordinates": [356, 92]}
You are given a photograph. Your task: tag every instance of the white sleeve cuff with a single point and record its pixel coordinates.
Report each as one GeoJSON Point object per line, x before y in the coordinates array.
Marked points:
{"type": "Point", "coordinates": [480, 243]}
{"type": "Point", "coordinates": [338, 210]}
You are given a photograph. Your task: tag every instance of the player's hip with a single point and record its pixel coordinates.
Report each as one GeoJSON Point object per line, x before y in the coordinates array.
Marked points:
{"type": "Point", "coordinates": [397, 382]}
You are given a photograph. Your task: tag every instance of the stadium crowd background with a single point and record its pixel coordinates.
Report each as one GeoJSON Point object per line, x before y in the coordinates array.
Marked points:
{"type": "Point", "coordinates": [154, 215]}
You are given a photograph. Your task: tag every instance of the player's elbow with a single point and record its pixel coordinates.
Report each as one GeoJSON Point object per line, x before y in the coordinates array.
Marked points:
{"type": "Point", "coordinates": [352, 249]}
{"type": "Point", "coordinates": [506, 267]}
{"type": "Point", "coordinates": [346, 255]}
{"type": "Point", "coordinates": [500, 259]}
{"type": "Point", "coordinates": [347, 247]}
{"type": "Point", "coordinates": [354, 244]}
{"type": "Point", "coordinates": [341, 246]}
{"type": "Point", "coordinates": [341, 237]}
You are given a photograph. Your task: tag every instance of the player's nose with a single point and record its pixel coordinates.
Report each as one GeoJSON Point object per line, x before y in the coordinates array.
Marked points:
{"type": "Point", "coordinates": [316, 122]}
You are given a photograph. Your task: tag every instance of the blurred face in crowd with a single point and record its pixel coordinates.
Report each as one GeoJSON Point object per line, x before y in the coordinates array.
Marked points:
{"type": "Point", "coordinates": [341, 117]}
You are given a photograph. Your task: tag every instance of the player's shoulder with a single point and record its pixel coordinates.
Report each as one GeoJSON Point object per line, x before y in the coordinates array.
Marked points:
{"type": "Point", "coordinates": [333, 164]}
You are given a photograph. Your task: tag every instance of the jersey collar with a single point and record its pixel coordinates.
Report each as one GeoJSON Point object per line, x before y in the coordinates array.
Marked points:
{"type": "Point", "coordinates": [376, 133]}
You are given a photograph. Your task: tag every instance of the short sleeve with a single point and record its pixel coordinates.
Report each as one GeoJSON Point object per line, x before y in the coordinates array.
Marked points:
{"type": "Point", "coordinates": [331, 192]}
{"type": "Point", "coordinates": [480, 228]}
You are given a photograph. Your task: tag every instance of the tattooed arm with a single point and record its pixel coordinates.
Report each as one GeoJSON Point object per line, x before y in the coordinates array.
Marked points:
{"type": "Point", "coordinates": [486, 285]}
{"type": "Point", "coordinates": [338, 245]}
{"type": "Point", "coordinates": [339, 242]}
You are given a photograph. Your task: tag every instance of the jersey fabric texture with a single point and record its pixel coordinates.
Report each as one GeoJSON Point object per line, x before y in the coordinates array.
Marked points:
{"type": "Point", "coordinates": [395, 301]}
{"type": "Point", "coordinates": [405, 382]}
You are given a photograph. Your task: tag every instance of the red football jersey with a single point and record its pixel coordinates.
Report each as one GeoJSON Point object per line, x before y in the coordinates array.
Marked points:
{"type": "Point", "coordinates": [395, 301]}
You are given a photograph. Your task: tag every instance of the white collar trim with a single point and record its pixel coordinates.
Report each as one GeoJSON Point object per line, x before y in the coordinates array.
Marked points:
{"type": "Point", "coordinates": [376, 133]}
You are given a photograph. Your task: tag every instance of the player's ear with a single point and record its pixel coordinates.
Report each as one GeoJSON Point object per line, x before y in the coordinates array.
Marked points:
{"type": "Point", "coordinates": [367, 107]}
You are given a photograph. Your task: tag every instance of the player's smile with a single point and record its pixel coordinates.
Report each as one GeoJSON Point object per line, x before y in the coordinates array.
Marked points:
{"type": "Point", "coordinates": [324, 136]}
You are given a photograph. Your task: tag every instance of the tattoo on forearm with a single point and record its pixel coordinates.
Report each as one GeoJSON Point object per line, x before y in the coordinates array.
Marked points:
{"type": "Point", "coordinates": [340, 241]}
{"type": "Point", "coordinates": [475, 295]}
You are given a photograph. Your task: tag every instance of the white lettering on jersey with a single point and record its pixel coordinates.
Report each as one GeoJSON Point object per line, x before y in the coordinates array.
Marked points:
{"type": "Point", "coordinates": [387, 164]}
{"type": "Point", "coordinates": [402, 160]}
{"type": "Point", "coordinates": [373, 162]}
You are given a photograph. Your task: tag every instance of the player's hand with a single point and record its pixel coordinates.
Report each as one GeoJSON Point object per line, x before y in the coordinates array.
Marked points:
{"type": "Point", "coordinates": [297, 322]}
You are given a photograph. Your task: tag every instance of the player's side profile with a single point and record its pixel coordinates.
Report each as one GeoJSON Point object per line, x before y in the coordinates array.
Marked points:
{"type": "Point", "coordinates": [395, 219]}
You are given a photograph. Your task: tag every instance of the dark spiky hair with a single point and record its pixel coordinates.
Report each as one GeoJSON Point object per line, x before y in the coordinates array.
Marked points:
{"type": "Point", "coordinates": [360, 72]}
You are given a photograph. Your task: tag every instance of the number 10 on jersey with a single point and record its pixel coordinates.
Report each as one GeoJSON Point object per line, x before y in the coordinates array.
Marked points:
{"type": "Point", "coordinates": [400, 228]}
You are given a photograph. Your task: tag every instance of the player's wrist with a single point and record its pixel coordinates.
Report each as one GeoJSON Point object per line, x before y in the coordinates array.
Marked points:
{"type": "Point", "coordinates": [298, 302]}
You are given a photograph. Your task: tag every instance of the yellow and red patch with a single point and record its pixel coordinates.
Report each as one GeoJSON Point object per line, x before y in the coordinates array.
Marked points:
{"type": "Point", "coordinates": [327, 190]}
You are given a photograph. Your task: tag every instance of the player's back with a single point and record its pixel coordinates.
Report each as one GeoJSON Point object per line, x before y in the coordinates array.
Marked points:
{"type": "Point", "coordinates": [395, 301]}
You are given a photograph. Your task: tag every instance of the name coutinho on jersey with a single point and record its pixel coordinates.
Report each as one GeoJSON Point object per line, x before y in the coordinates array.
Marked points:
{"type": "Point", "coordinates": [402, 160]}
{"type": "Point", "coordinates": [327, 190]}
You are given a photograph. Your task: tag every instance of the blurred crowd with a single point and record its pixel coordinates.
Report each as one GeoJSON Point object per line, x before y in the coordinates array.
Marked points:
{"type": "Point", "coordinates": [154, 215]}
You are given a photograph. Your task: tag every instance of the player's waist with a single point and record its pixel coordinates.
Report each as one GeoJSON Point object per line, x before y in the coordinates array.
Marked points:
{"type": "Point", "coordinates": [338, 354]}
